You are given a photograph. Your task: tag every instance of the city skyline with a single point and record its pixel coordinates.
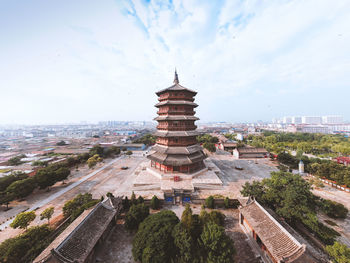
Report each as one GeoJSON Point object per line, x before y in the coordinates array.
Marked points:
{"type": "Point", "coordinates": [65, 62]}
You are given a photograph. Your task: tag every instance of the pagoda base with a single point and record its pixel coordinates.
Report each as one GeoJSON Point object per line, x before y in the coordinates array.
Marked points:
{"type": "Point", "coordinates": [184, 169]}
{"type": "Point", "coordinates": [149, 179]}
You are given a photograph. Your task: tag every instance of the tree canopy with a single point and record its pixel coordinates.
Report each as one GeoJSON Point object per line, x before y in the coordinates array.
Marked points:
{"type": "Point", "coordinates": [25, 247]}
{"type": "Point", "coordinates": [136, 214]}
{"type": "Point", "coordinates": [154, 243]}
{"type": "Point", "coordinates": [47, 214]}
{"type": "Point", "coordinates": [216, 245]}
{"type": "Point", "coordinates": [162, 238]}
{"type": "Point", "coordinates": [78, 204]}
{"type": "Point", "coordinates": [339, 252]}
{"type": "Point", "coordinates": [22, 220]}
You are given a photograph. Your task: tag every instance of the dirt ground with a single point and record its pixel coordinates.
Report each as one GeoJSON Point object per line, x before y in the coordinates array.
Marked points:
{"type": "Point", "coordinates": [244, 253]}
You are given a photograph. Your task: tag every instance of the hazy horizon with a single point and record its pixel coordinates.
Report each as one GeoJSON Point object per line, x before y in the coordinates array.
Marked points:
{"type": "Point", "coordinates": [67, 62]}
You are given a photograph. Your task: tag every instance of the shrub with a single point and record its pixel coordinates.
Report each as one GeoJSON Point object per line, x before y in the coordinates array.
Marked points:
{"type": "Point", "coordinates": [339, 252]}
{"type": "Point", "coordinates": [155, 203]}
{"type": "Point", "coordinates": [23, 220]}
{"type": "Point", "coordinates": [136, 214]}
{"type": "Point", "coordinates": [209, 202]}
{"type": "Point", "coordinates": [126, 204]}
{"type": "Point", "coordinates": [227, 202]}
{"type": "Point", "coordinates": [78, 204]}
{"type": "Point", "coordinates": [333, 209]}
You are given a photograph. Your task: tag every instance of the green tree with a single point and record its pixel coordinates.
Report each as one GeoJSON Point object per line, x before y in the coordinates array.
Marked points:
{"type": "Point", "coordinates": [155, 203]}
{"type": "Point", "coordinates": [186, 217]}
{"type": "Point", "coordinates": [47, 214]}
{"type": "Point", "coordinates": [126, 203]}
{"type": "Point", "coordinates": [23, 220]}
{"type": "Point", "coordinates": [209, 202]}
{"type": "Point", "coordinates": [109, 195]}
{"type": "Point", "coordinates": [209, 146]}
{"type": "Point", "coordinates": [153, 242]}
{"type": "Point", "coordinates": [140, 200]}
{"type": "Point", "coordinates": [61, 174]}
{"type": "Point", "coordinates": [339, 252]}
{"type": "Point", "coordinates": [135, 215]}
{"type": "Point", "coordinates": [217, 217]}
{"type": "Point", "coordinates": [21, 188]}
{"type": "Point", "coordinates": [128, 153]}
{"type": "Point", "coordinates": [25, 247]}
{"type": "Point", "coordinates": [96, 150]}
{"type": "Point", "coordinates": [45, 178]}
{"type": "Point", "coordinates": [9, 179]}
{"type": "Point", "coordinates": [204, 216]}
{"type": "Point", "coordinates": [133, 198]}
{"type": "Point", "coordinates": [92, 161]}
{"type": "Point", "coordinates": [61, 143]}
{"type": "Point", "coordinates": [333, 209]}
{"type": "Point", "coordinates": [227, 202]}
{"type": "Point", "coordinates": [185, 246]}
{"type": "Point", "coordinates": [216, 245]}
{"type": "Point", "coordinates": [6, 198]}
{"type": "Point", "coordinates": [78, 204]}
{"type": "Point", "coordinates": [254, 189]}
{"type": "Point", "coordinates": [16, 160]}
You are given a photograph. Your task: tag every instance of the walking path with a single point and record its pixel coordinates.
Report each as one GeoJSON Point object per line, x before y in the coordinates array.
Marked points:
{"type": "Point", "coordinates": [61, 192]}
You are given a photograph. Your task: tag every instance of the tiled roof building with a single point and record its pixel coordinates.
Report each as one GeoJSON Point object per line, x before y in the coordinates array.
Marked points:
{"type": "Point", "coordinates": [77, 243]}
{"type": "Point", "coordinates": [276, 243]}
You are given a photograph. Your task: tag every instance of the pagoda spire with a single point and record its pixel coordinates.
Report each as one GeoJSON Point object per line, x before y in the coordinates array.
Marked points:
{"type": "Point", "coordinates": [176, 78]}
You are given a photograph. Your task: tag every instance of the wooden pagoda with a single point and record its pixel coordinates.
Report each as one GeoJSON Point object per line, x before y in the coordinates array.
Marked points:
{"type": "Point", "coordinates": [176, 149]}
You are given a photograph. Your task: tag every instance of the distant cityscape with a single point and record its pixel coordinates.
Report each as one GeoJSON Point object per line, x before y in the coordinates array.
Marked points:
{"type": "Point", "coordinates": [329, 124]}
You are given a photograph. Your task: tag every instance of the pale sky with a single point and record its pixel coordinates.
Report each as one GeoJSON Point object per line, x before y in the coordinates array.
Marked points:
{"type": "Point", "coordinates": [80, 60]}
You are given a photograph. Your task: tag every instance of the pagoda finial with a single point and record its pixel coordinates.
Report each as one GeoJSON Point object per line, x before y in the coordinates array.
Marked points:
{"type": "Point", "coordinates": [176, 78]}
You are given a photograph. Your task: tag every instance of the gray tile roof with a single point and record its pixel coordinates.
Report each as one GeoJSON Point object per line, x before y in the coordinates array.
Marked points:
{"type": "Point", "coordinates": [279, 242]}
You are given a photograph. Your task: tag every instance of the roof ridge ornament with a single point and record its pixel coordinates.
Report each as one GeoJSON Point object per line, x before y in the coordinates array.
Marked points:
{"type": "Point", "coordinates": [176, 78]}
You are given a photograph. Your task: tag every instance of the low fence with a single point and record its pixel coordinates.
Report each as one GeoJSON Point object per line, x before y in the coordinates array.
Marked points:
{"type": "Point", "coordinates": [333, 184]}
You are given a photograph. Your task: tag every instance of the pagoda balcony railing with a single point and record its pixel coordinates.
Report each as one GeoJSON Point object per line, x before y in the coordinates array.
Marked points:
{"type": "Point", "coordinates": [175, 98]}
{"type": "Point", "coordinates": [181, 144]}
{"type": "Point", "coordinates": [177, 128]}
{"type": "Point", "coordinates": [176, 112]}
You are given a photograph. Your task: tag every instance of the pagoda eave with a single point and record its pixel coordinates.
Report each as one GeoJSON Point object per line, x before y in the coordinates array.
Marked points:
{"type": "Point", "coordinates": [176, 87]}
{"type": "Point", "coordinates": [176, 102]}
{"type": "Point", "coordinates": [177, 150]}
{"type": "Point", "coordinates": [178, 159]}
{"type": "Point", "coordinates": [168, 133]}
{"type": "Point", "coordinates": [176, 118]}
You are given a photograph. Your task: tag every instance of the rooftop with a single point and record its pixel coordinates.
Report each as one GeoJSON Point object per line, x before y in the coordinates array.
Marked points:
{"type": "Point", "coordinates": [279, 242]}
{"type": "Point", "coordinates": [76, 242]}
{"type": "Point", "coordinates": [176, 87]}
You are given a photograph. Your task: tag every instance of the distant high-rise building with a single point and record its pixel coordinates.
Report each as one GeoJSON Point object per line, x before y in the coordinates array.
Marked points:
{"type": "Point", "coordinates": [311, 119]}
{"type": "Point", "coordinates": [332, 119]}
{"type": "Point", "coordinates": [296, 120]}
